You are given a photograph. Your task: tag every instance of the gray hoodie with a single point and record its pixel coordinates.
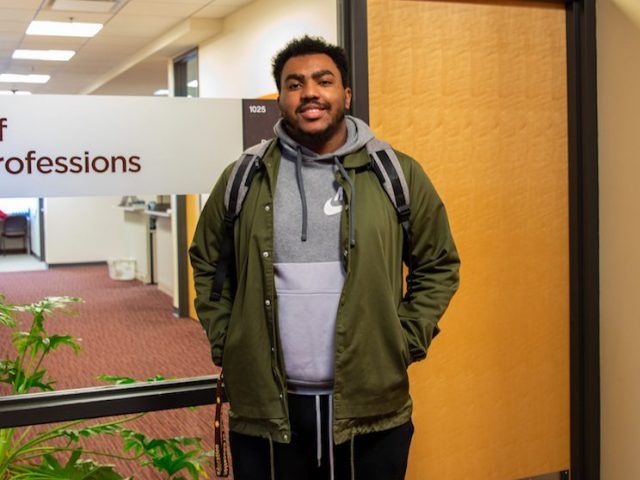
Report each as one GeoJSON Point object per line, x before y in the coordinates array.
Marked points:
{"type": "Point", "coordinates": [308, 272]}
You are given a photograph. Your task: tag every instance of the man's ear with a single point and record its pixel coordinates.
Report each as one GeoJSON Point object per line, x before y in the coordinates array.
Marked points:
{"type": "Point", "coordinates": [347, 98]}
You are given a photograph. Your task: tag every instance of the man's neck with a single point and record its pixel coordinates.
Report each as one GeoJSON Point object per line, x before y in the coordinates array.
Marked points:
{"type": "Point", "coordinates": [322, 146]}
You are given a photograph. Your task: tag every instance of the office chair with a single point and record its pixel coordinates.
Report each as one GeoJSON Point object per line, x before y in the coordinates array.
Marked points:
{"type": "Point", "coordinates": [15, 226]}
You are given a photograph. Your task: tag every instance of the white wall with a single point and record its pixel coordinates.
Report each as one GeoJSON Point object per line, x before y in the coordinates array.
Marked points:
{"type": "Point", "coordinates": [88, 229]}
{"type": "Point", "coordinates": [237, 62]}
{"type": "Point", "coordinates": [619, 153]}
{"type": "Point", "coordinates": [136, 242]}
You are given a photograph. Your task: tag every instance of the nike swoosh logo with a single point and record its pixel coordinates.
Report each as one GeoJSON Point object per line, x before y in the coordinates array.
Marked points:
{"type": "Point", "coordinates": [333, 206]}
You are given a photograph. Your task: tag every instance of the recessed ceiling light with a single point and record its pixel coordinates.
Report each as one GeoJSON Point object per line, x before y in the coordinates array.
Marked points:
{"type": "Point", "coordinates": [64, 29]}
{"type": "Point", "coordinates": [54, 55]}
{"type": "Point", "coordinates": [14, 92]}
{"type": "Point", "coordinates": [16, 78]}
{"type": "Point", "coordinates": [98, 6]}
{"type": "Point", "coordinates": [161, 92]}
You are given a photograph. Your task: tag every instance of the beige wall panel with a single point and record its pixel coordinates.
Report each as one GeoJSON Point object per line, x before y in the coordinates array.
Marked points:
{"type": "Point", "coordinates": [619, 176]}
{"type": "Point", "coordinates": [477, 93]}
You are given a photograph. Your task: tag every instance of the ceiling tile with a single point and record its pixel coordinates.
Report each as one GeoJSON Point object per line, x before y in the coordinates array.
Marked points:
{"type": "Point", "coordinates": [175, 9]}
{"type": "Point", "coordinates": [21, 4]}
{"type": "Point", "coordinates": [159, 3]}
{"type": "Point", "coordinates": [37, 42]}
{"type": "Point", "coordinates": [10, 39]}
{"type": "Point", "coordinates": [13, 27]}
{"type": "Point", "coordinates": [55, 16]}
{"type": "Point", "coordinates": [233, 3]}
{"type": "Point", "coordinates": [16, 14]}
{"type": "Point", "coordinates": [138, 26]}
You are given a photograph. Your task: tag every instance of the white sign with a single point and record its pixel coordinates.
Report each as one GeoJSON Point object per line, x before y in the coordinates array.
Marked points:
{"type": "Point", "coordinates": [70, 145]}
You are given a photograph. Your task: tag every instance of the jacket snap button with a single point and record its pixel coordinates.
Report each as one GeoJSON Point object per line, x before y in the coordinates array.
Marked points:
{"type": "Point", "coordinates": [265, 254]}
{"type": "Point", "coordinates": [267, 208]}
{"type": "Point", "coordinates": [267, 302]}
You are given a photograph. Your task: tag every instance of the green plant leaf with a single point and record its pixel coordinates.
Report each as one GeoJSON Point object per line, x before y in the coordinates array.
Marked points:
{"type": "Point", "coordinates": [156, 378]}
{"type": "Point", "coordinates": [116, 379]}
{"type": "Point", "coordinates": [47, 306]}
{"type": "Point", "coordinates": [6, 319]}
{"type": "Point", "coordinates": [39, 342]}
{"type": "Point", "coordinates": [76, 468]}
{"type": "Point", "coordinates": [75, 435]}
{"type": "Point", "coordinates": [55, 341]}
{"type": "Point", "coordinates": [22, 340]}
{"type": "Point", "coordinates": [121, 380]}
{"type": "Point", "coordinates": [35, 380]}
{"type": "Point", "coordinates": [171, 455]}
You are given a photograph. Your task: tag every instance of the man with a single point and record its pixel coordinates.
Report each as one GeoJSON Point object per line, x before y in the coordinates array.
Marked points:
{"type": "Point", "coordinates": [312, 329]}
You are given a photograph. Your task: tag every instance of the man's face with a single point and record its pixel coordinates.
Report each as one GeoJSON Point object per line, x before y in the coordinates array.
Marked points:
{"type": "Point", "coordinates": [313, 99]}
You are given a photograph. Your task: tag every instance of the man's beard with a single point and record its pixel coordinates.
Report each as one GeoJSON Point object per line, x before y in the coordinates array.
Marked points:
{"type": "Point", "coordinates": [313, 138]}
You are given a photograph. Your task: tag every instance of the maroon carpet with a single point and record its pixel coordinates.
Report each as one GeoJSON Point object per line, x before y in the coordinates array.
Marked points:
{"type": "Point", "coordinates": [126, 329]}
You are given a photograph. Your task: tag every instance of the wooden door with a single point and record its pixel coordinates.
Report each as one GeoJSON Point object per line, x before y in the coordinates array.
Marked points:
{"type": "Point", "coordinates": [477, 93]}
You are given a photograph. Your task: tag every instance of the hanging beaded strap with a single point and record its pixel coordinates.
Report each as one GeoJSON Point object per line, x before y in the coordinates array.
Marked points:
{"type": "Point", "coordinates": [220, 452]}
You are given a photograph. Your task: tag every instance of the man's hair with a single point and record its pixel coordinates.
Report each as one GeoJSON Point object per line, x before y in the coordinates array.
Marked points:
{"type": "Point", "coordinates": [307, 46]}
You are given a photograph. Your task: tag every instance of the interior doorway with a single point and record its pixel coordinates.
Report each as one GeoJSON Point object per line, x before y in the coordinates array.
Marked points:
{"type": "Point", "coordinates": [21, 235]}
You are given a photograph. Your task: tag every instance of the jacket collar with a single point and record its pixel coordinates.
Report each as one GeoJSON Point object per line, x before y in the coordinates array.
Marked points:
{"type": "Point", "coordinates": [271, 159]}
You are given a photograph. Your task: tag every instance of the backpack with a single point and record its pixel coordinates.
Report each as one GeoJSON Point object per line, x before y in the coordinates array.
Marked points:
{"type": "Point", "coordinates": [384, 163]}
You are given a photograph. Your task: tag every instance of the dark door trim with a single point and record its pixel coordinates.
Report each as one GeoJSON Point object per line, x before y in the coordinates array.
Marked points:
{"type": "Point", "coordinates": [181, 89]}
{"type": "Point", "coordinates": [584, 240]}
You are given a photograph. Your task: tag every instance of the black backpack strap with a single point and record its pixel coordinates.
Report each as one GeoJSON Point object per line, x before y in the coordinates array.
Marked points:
{"type": "Point", "coordinates": [237, 188]}
{"type": "Point", "coordinates": [385, 164]}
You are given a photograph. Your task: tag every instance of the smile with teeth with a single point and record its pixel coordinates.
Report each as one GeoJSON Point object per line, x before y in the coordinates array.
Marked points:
{"type": "Point", "coordinates": [312, 112]}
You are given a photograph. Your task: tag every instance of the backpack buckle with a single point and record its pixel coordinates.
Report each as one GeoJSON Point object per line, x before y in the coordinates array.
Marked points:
{"type": "Point", "coordinates": [229, 218]}
{"type": "Point", "coordinates": [404, 213]}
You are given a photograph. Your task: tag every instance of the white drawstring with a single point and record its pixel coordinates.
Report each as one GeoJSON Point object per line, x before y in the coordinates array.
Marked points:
{"type": "Point", "coordinates": [272, 459]}
{"type": "Point", "coordinates": [353, 463]}
{"type": "Point", "coordinates": [330, 435]}
{"type": "Point", "coordinates": [318, 432]}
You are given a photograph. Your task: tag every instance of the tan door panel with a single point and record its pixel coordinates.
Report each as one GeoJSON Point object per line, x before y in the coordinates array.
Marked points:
{"type": "Point", "coordinates": [477, 93]}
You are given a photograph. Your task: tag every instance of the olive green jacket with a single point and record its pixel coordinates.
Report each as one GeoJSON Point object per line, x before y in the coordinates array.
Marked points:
{"type": "Point", "coordinates": [378, 332]}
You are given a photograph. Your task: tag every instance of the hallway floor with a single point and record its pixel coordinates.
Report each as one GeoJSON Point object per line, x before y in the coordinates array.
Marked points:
{"type": "Point", "coordinates": [125, 328]}
{"type": "Point", "coordinates": [20, 262]}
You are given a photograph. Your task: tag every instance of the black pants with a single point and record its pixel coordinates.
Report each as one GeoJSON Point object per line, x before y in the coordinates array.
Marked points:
{"type": "Point", "coordinates": [376, 456]}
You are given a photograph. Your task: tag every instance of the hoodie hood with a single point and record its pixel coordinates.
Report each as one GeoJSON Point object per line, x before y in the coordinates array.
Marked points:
{"type": "Point", "coordinates": [358, 134]}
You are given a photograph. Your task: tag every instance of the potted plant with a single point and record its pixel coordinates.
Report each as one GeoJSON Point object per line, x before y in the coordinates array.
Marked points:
{"type": "Point", "coordinates": [58, 452]}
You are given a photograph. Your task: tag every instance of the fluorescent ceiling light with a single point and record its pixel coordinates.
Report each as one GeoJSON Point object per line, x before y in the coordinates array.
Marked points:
{"type": "Point", "coordinates": [161, 92]}
{"type": "Point", "coordinates": [64, 29]}
{"type": "Point", "coordinates": [31, 78]}
{"type": "Point", "coordinates": [54, 55]}
{"type": "Point", "coordinates": [193, 84]}
{"type": "Point", "coordinates": [14, 92]}
{"type": "Point", "coordinates": [100, 6]}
